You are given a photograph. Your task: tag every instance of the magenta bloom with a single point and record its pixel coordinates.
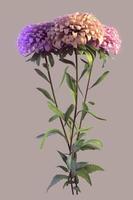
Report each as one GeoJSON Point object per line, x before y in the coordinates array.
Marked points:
{"type": "Point", "coordinates": [111, 42]}
{"type": "Point", "coordinates": [35, 38]}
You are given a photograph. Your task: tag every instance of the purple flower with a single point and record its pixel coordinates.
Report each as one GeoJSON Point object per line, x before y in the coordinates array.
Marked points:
{"type": "Point", "coordinates": [111, 42]}
{"type": "Point", "coordinates": [35, 38]}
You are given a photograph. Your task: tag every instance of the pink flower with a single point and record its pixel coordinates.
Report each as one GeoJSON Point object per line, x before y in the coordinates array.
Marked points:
{"type": "Point", "coordinates": [111, 42]}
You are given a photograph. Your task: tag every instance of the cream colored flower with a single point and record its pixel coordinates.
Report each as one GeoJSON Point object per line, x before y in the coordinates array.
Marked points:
{"type": "Point", "coordinates": [76, 29]}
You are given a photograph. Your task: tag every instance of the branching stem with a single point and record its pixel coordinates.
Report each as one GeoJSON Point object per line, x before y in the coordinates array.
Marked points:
{"type": "Point", "coordinates": [53, 93]}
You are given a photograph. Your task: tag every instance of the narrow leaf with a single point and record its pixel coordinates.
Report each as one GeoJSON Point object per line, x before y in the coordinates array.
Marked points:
{"type": "Point", "coordinates": [66, 61]}
{"type": "Point", "coordinates": [45, 93]}
{"type": "Point", "coordinates": [70, 82]}
{"type": "Point", "coordinates": [91, 102]}
{"type": "Point", "coordinates": [63, 156]}
{"type": "Point", "coordinates": [81, 165]}
{"type": "Point", "coordinates": [93, 168]}
{"type": "Point", "coordinates": [51, 132]}
{"type": "Point", "coordinates": [51, 59]}
{"type": "Point", "coordinates": [84, 111]}
{"type": "Point", "coordinates": [40, 73]}
{"type": "Point", "coordinates": [89, 57]}
{"type": "Point", "coordinates": [81, 130]}
{"type": "Point", "coordinates": [101, 78]}
{"type": "Point", "coordinates": [64, 76]}
{"type": "Point", "coordinates": [66, 184]}
{"type": "Point", "coordinates": [84, 174]}
{"type": "Point", "coordinates": [69, 112]}
{"type": "Point", "coordinates": [35, 58]}
{"type": "Point", "coordinates": [55, 109]}
{"type": "Point", "coordinates": [94, 115]}
{"type": "Point", "coordinates": [92, 144]}
{"type": "Point", "coordinates": [71, 164]}
{"type": "Point", "coordinates": [54, 117]}
{"type": "Point", "coordinates": [56, 179]}
{"type": "Point", "coordinates": [63, 168]}
{"type": "Point", "coordinates": [45, 136]}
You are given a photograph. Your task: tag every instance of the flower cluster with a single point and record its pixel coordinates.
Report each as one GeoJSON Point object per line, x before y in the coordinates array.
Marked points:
{"type": "Point", "coordinates": [34, 38]}
{"type": "Point", "coordinates": [76, 29]}
{"type": "Point", "coordinates": [71, 31]}
{"type": "Point", "coordinates": [111, 42]}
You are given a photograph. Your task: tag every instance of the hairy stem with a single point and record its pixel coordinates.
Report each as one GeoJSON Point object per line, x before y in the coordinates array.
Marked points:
{"type": "Point", "coordinates": [85, 98]}
{"type": "Point", "coordinates": [53, 93]}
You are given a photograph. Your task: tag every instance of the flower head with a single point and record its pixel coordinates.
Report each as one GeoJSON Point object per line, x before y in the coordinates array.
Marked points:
{"type": "Point", "coordinates": [76, 29]}
{"type": "Point", "coordinates": [111, 42]}
{"type": "Point", "coordinates": [34, 38]}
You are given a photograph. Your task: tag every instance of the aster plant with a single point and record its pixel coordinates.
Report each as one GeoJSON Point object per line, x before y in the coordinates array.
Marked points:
{"type": "Point", "coordinates": [80, 36]}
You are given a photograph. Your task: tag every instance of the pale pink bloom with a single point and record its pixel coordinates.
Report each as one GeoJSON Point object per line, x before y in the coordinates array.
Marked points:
{"type": "Point", "coordinates": [111, 42]}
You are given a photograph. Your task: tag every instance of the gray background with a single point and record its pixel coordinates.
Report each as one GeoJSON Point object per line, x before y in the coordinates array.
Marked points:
{"type": "Point", "coordinates": [25, 171]}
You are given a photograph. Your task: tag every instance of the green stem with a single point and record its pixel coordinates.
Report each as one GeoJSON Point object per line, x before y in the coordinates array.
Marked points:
{"type": "Point", "coordinates": [53, 93]}
{"type": "Point", "coordinates": [76, 100]}
{"type": "Point", "coordinates": [85, 98]}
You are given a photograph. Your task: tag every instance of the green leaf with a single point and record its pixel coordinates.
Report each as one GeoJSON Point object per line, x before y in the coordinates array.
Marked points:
{"type": "Point", "coordinates": [93, 168]}
{"type": "Point", "coordinates": [66, 61]}
{"type": "Point", "coordinates": [69, 112]}
{"type": "Point", "coordinates": [51, 132]}
{"type": "Point", "coordinates": [101, 78]}
{"type": "Point", "coordinates": [92, 50]}
{"type": "Point", "coordinates": [82, 130]}
{"type": "Point", "coordinates": [71, 164]}
{"type": "Point", "coordinates": [80, 90]}
{"type": "Point", "coordinates": [103, 56]}
{"type": "Point", "coordinates": [56, 179]}
{"type": "Point", "coordinates": [86, 69]}
{"type": "Point", "coordinates": [66, 184]}
{"type": "Point", "coordinates": [44, 138]}
{"type": "Point", "coordinates": [92, 144]}
{"type": "Point", "coordinates": [63, 156]}
{"type": "Point", "coordinates": [35, 58]}
{"type": "Point", "coordinates": [45, 93]}
{"type": "Point", "coordinates": [70, 82]}
{"type": "Point", "coordinates": [94, 115]}
{"type": "Point", "coordinates": [80, 165]}
{"type": "Point", "coordinates": [55, 109]}
{"type": "Point", "coordinates": [64, 76]}
{"type": "Point", "coordinates": [78, 145]}
{"type": "Point", "coordinates": [40, 73]}
{"type": "Point", "coordinates": [84, 174]}
{"type": "Point", "coordinates": [63, 168]}
{"type": "Point", "coordinates": [89, 57]}
{"type": "Point", "coordinates": [45, 65]}
{"type": "Point", "coordinates": [54, 117]}
{"type": "Point", "coordinates": [91, 102]}
{"type": "Point", "coordinates": [51, 59]}
{"type": "Point", "coordinates": [38, 60]}
{"type": "Point", "coordinates": [84, 111]}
